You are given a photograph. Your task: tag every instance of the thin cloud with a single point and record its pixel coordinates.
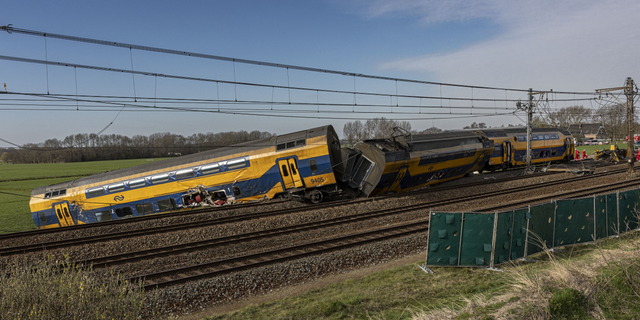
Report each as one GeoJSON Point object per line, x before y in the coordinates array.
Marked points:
{"type": "Point", "coordinates": [572, 45]}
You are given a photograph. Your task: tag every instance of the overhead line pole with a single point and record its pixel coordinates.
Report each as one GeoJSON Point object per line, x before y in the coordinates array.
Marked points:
{"type": "Point", "coordinates": [630, 93]}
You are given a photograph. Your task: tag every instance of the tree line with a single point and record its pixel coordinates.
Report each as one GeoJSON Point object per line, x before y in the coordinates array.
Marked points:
{"type": "Point", "coordinates": [92, 147]}
{"type": "Point", "coordinates": [613, 117]}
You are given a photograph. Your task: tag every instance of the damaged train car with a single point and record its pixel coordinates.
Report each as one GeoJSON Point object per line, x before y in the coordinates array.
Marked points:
{"type": "Point", "coordinates": [298, 165]}
{"type": "Point", "coordinates": [407, 162]}
{"type": "Point", "coordinates": [306, 165]}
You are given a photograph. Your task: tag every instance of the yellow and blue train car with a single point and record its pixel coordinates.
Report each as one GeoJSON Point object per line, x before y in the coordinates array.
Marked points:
{"type": "Point", "coordinates": [510, 146]}
{"type": "Point", "coordinates": [408, 162]}
{"type": "Point", "coordinates": [299, 164]}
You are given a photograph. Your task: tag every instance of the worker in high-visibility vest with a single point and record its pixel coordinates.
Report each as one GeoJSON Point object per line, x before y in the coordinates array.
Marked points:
{"type": "Point", "coordinates": [577, 155]}
{"type": "Point", "coordinates": [584, 154]}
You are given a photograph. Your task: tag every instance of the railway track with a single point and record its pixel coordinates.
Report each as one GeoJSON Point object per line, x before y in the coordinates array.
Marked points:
{"type": "Point", "coordinates": [564, 195]}
{"type": "Point", "coordinates": [220, 267]}
{"type": "Point", "coordinates": [9, 251]}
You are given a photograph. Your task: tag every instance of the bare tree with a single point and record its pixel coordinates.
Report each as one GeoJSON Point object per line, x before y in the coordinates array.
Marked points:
{"type": "Point", "coordinates": [570, 115]}
{"type": "Point", "coordinates": [613, 118]}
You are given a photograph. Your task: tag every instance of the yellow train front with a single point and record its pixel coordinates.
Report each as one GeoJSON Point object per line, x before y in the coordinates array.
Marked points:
{"type": "Point", "coordinates": [510, 146]}
{"type": "Point", "coordinates": [407, 162]}
{"type": "Point", "coordinates": [298, 165]}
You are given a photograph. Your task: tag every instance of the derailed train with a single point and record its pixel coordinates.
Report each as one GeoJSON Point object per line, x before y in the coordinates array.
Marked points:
{"type": "Point", "coordinates": [308, 164]}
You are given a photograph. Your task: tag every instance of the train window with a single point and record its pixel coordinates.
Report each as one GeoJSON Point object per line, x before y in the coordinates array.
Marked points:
{"type": "Point", "coordinates": [62, 192]}
{"type": "Point", "coordinates": [522, 138]}
{"type": "Point", "coordinates": [116, 187]}
{"type": "Point", "coordinates": [293, 169]}
{"type": "Point", "coordinates": [533, 137]}
{"type": "Point", "coordinates": [183, 174]}
{"type": "Point", "coordinates": [123, 212]}
{"type": "Point", "coordinates": [47, 195]}
{"type": "Point", "coordinates": [301, 143]}
{"type": "Point", "coordinates": [66, 212]}
{"type": "Point", "coordinates": [55, 193]}
{"type": "Point", "coordinates": [144, 208]}
{"type": "Point", "coordinates": [285, 172]}
{"type": "Point", "coordinates": [94, 192]}
{"type": "Point", "coordinates": [547, 137]}
{"type": "Point", "coordinates": [554, 152]}
{"type": "Point", "coordinates": [167, 204]}
{"type": "Point", "coordinates": [210, 168]}
{"type": "Point", "coordinates": [103, 216]}
{"type": "Point", "coordinates": [281, 146]}
{"type": "Point", "coordinates": [555, 136]}
{"type": "Point", "coordinates": [236, 191]}
{"type": "Point", "coordinates": [160, 178]}
{"type": "Point", "coordinates": [236, 163]}
{"type": "Point", "coordinates": [291, 144]}
{"type": "Point", "coordinates": [137, 183]}
{"type": "Point", "coordinates": [313, 165]}
{"type": "Point", "coordinates": [42, 216]}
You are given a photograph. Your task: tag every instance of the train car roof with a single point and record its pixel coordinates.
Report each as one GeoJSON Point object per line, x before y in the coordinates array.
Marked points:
{"type": "Point", "coordinates": [230, 151]}
{"type": "Point", "coordinates": [524, 130]}
{"type": "Point", "coordinates": [427, 137]}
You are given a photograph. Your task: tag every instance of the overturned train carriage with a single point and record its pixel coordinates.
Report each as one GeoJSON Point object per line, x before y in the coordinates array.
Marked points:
{"type": "Point", "coordinates": [298, 165]}
{"type": "Point", "coordinates": [406, 162]}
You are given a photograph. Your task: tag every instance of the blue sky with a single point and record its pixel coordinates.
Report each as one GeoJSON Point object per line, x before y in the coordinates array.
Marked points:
{"type": "Point", "coordinates": [564, 46]}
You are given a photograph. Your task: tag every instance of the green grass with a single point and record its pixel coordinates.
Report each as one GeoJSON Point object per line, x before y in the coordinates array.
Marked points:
{"type": "Point", "coordinates": [51, 170]}
{"type": "Point", "coordinates": [15, 214]}
{"type": "Point", "coordinates": [391, 294]}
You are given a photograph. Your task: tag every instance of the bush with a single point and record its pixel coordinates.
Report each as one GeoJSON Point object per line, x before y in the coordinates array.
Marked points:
{"type": "Point", "coordinates": [568, 303]}
{"type": "Point", "coordinates": [50, 291]}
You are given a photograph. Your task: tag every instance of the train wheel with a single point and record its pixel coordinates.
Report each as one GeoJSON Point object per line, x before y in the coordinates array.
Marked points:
{"type": "Point", "coordinates": [315, 196]}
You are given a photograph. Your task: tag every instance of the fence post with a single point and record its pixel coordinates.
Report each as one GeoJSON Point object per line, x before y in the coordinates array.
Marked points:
{"type": "Point", "coordinates": [526, 237]}
{"type": "Point", "coordinates": [426, 259]}
{"type": "Point", "coordinates": [493, 242]}
{"type": "Point", "coordinates": [461, 233]}
{"type": "Point", "coordinates": [595, 218]}
{"type": "Point", "coordinates": [553, 236]}
{"type": "Point", "coordinates": [513, 221]}
{"type": "Point", "coordinates": [618, 210]}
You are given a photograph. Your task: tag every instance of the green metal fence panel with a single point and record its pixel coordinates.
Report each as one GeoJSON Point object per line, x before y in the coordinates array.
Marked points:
{"type": "Point", "coordinates": [601, 216]}
{"type": "Point", "coordinates": [540, 228]}
{"type": "Point", "coordinates": [628, 207]}
{"type": "Point", "coordinates": [574, 221]}
{"type": "Point", "coordinates": [612, 214]}
{"type": "Point", "coordinates": [477, 238]}
{"type": "Point", "coordinates": [445, 230]}
{"type": "Point", "coordinates": [519, 237]}
{"type": "Point", "coordinates": [504, 233]}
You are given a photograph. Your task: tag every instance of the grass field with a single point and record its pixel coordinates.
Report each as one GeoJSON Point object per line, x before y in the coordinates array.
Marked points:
{"type": "Point", "coordinates": [18, 180]}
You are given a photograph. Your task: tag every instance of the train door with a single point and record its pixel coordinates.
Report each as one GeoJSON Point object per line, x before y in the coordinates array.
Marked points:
{"type": "Point", "coordinates": [289, 173]}
{"type": "Point", "coordinates": [401, 173]}
{"type": "Point", "coordinates": [568, 147]}
{"type": "Point", "coordinates": [63, 214]}
{"type": "Point", "coordinates": [506, 152]}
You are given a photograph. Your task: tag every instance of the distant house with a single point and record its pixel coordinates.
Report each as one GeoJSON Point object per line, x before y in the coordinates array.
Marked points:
{"type": "Point", "coordinates": [588, 131]}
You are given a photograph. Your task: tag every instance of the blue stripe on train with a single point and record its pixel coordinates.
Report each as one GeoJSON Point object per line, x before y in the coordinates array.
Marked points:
{"type": "Point", "coordinates": [248, 188]}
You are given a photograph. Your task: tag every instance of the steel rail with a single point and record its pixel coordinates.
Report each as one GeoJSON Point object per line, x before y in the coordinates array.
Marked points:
{"type": "Point", "coordinates": [190, 273]}
{"type": "Point", "coordinates": [565, 195]}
